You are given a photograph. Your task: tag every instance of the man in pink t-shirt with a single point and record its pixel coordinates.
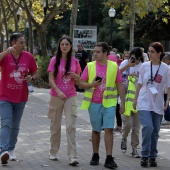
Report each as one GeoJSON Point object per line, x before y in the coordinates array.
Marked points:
{"type": "Point", "coordinates": [101, 114]}
{"type": "Point", "coordinates": [18, 67]}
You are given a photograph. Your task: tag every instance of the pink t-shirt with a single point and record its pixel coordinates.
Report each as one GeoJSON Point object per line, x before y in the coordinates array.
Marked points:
{"type": "Point", "coordinates": [65, 83]}
{"type": "Point", "coordinates": [112, 57]}
{"type": "Point", "coordinates": [119, 62]}
{"type": "Point", "coordinates": [101, 72]}
{"type": "Point", "coordinates": [13, 86]}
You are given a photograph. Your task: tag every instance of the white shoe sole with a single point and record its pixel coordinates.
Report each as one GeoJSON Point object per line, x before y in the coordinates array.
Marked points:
{"type": "Point", "coordinates": [73, 163]}
{"type": "Point", "coordinates": [123, 151]}
{"type": "Point", "coordinates": [53, 159]}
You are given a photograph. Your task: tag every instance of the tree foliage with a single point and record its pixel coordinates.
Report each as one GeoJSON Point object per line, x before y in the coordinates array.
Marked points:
{"type": "Point", "coordinates": [136, 9]}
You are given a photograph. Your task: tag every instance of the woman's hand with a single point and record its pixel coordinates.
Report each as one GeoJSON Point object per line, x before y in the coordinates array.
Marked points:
{"type": "Point", "coordinates": [166, 104]}
{"type": "Point", "coordinates": [74, 75]}
{"type": "Point", "coordinates": [134, 75]}
{"type": "Point", "coordinates": [134, 104]}
{"type": "Point", "coordinates": [61, 95]}
{"type": "Point", "coordinates": [130, 64]}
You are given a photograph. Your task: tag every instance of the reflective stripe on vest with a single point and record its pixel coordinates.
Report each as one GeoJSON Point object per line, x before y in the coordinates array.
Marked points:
{"type": "Point", "coordinates": [110, 93]}
{"type": "Point", "coordinates": [130, 97]}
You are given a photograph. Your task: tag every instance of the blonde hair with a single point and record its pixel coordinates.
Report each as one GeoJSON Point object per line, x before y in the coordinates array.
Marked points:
{"type": "Point", "coordinates": [125, 52]}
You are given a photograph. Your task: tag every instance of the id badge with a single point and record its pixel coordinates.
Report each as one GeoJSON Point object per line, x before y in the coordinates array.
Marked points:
{"type": "Point", "coordinates": [153, 90]}
{"type": "Point", "coordinates": [17, 74]}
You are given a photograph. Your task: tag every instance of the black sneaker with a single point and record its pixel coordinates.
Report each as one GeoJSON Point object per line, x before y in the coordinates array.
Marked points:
{"type": "Point", "coordinates": [124, 146]}
{"type": "Point", "coordinates": [144, 161]}
{"type": "Point", "coordinates": [152, 162]}
{"type": "Point", "coordinates": [110, 163]}
{"type": "Point", "coordinates": [95, 159]}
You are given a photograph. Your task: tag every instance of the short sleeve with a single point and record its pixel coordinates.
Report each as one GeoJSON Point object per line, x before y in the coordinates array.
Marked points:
{"type": "Point", "coordinates": [168, 77]}
{"type": "Point", "coordinates": [141, 74]}
{"type": "Point", "coordinates": [119, 76]}
{"type": "Point", "coordinates": [84, 75]}
{"type": "Point", "coordinates": [78, 68]}
{"type": "Point", "coordinates": [51, 65]}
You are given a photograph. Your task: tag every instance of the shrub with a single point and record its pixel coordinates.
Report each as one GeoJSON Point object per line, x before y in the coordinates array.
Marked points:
{"type": "Point", "coordinates": [43, 63]}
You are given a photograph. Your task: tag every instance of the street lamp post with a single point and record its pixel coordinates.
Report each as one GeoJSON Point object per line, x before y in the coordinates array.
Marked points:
{"type": "Point", "coordinates": [27, 33]}
{"type": "Point", "coordinates": [112, 14]}
{"type": "Point", "coordinates": [19, 13]}
{"type": "Point", "coordinates": [18, 18]}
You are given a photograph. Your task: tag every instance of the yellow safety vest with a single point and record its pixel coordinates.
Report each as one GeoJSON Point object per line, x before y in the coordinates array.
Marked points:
{"type": "Point", "coordinates": [130, 96]}
{"type": "Point", "coordinates": [110, 93]}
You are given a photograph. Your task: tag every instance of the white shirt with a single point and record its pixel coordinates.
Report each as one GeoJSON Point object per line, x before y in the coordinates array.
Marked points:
{"type": "Point", "coordinates": [145, 56]}
{"type": "Point", "coordinates": [147, 100]}
{"type": "Point", "coordinates": [134, 69]}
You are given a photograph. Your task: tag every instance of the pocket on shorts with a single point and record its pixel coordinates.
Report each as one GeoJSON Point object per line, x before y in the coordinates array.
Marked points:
{"type": "Point", "coordinates": [51, 113]}
{"type": "Point", "coordinates": [73, 109]}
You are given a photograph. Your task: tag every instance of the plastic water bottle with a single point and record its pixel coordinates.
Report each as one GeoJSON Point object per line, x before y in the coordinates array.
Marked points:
{"type": "Point", "coordinates": [30, 87]}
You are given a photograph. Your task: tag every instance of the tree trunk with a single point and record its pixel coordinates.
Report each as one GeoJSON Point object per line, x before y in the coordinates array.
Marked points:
{"type": "Point", "coordinates": [132, 26]}
{"type": "Point", "coordinates": [5, 23]}
{"type": "Point", "coordinates": [42, 40]}
{"type": "Point", "coordinates": [30, 37]}
{"type": "Point", "coordinates": [73, 18]}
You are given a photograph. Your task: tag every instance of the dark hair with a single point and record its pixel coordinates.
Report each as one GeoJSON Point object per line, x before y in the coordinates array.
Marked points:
{"type": "Point", "coordinates": [59, 55]}
{"type": "Point", "coordinates": [158, 48]}
{"type": "Point", "coordinates": [104, 45]}
{"type": "Point", "coordinates": [15, 36]}
{"type": "Point", "coordinates": [138, 53]}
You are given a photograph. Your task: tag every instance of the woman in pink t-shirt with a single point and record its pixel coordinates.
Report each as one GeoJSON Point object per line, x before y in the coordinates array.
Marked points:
{"type": "Point", "coordinates": [64, 71]}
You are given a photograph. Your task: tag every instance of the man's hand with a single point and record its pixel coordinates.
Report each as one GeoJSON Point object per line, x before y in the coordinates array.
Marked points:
{"type": "Point", "coordinates": [96, 83]}
{"type": "Point", "coordinates": [11, 49]}
{"type": "Point", "coordinates": [122, 108]}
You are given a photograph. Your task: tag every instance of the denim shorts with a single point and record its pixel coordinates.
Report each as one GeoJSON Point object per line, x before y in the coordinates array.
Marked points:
{"type": "Point", "coordinates": [101, 117]}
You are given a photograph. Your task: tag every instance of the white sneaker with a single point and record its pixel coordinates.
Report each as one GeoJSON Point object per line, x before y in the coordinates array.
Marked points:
{"type": "Point", "coordinates": [165, 122]}
{"type": "Point", "coordinates": [73, 161]}
{"type": "Point", "coordinates": [4, 157]}
{"type": "Point", "coordinates": [53, 157]}
{"type": "Point", "coordinates": [135, 153]}
{"type": "Point", "coordinates": [12, 156]}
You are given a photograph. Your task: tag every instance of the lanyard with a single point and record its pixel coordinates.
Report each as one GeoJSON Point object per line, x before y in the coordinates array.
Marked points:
{"type": "Point", "coordinates": [16, 62]}
{"type": "Point", "coordinates": [152, 79]}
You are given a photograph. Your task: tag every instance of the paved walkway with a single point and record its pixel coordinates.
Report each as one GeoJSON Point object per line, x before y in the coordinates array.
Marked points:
{"type": "Point", "coordinates": [33, 142]}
